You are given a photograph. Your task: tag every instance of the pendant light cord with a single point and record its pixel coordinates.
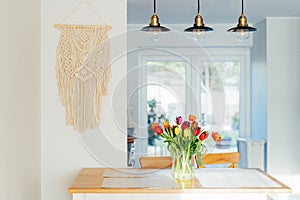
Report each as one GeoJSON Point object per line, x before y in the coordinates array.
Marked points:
{"type": "Point", "coordinates": [198, 6]}
{"type": "Point", "coordinates": [242, 6]}
{"type": "Point", "coordinates": [154, 6]}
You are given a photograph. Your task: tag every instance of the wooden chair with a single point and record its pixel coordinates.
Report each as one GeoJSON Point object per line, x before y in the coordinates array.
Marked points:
{"type": "Point", "coordinates": [220, 158]}
{"type": "Point", "coordinates": [160, 162]}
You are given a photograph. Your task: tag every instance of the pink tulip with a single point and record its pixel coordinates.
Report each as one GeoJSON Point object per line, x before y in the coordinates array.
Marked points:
{"type": "Point", "coordinates": [178, 120]}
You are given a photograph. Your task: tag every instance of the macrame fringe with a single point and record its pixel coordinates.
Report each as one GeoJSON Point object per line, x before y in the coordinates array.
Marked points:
{"type": "Point", "coordinates": [83, 72]}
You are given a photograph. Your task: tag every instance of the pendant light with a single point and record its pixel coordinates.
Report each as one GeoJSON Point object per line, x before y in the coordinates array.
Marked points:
{"type": "Point", "coordinates": [154, 28]}
{"type": "Point", "coordinates": [242, 29]}
{"type": "Point", "coordinates": [199, 29]}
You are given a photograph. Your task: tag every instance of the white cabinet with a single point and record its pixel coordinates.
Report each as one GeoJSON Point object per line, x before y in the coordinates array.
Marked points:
{"type": "Point", "coordinates": [253, 153]}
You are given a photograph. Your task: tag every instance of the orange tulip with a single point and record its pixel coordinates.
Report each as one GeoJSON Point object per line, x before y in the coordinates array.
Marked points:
{"type": "Point", "coordinates": [216, 136]}
{"type": "Point", "coordinates": [192, 118]}
{"type": "Point", "coordinates": [166, 124]}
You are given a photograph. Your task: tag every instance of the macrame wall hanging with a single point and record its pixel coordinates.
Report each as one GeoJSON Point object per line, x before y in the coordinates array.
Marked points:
{"type": "Point", "coordinates": [83, 71]}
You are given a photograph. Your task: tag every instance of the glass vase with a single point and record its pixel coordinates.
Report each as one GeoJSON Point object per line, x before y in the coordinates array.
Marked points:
{"type": "Point", "coordinates": [182, 165]}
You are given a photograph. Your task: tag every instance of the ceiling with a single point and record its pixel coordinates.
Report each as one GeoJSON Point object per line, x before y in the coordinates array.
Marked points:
{"type": "Point", "coordinates": [213, 11]}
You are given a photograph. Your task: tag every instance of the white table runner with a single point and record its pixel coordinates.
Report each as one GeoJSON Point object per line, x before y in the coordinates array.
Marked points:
{"type": "Point", "coordinates": [233, 178]}
{"type": "Point", "coordinates": [137, 178]}
{"type": "Point", "coordinates": [136, 173]}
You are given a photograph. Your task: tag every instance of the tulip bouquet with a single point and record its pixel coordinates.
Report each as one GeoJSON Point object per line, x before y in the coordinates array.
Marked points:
{"type": "Point", "coordinates": [184, 139]}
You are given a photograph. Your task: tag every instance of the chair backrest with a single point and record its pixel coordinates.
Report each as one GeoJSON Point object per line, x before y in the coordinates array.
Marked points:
{"type": "Point", "coordinates": [159, 162]}
{"type": "Point", "coordinates": [220, 158]}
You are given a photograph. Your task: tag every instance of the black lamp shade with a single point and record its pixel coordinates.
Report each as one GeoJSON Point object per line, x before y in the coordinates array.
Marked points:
{"type": "Point", "coordinates": [242, 28]}
{"type": "Point", "coordinates": [201, 28]}
{"type": "Point", "coordinates": [157, 28]}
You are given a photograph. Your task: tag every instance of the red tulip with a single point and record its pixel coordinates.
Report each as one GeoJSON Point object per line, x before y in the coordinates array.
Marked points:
{"type": "Point", "coordinates": [197, 131]}
{"type": "Point", "coordinates": [194, 125]}
{"type": "Point", "coordinates": [154, 125]}
{"type": "Point", "coordinates": [203, 136]}
{"type": "Point", "coordinates": [178, 120]}
{"type": "Point", "coordinates": [216, 136]}
{"type": "Point", "coordinates": [173, 127]}
{"type": "Point", "coordinates": [185, 125]}
{"type": "Point", "coordinates": [158, 130]}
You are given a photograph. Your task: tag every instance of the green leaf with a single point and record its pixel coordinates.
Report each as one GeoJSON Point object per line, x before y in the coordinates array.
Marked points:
{"type": "Point", "coordinates": [199, 158]}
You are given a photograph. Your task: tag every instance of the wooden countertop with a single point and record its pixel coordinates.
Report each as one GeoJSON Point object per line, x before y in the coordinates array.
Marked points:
{"type": "Point", "coordinates": [105, 180]}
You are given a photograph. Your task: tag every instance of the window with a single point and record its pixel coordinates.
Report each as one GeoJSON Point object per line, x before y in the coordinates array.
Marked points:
{"type": "Point", "coordinates": [223, 80]}
{"type": "Point", "coordinates": [165, 97]}
{"type": "Point", "coordinates": [214, 87]}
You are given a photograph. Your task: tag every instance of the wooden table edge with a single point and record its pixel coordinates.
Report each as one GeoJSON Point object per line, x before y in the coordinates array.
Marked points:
{"type": "Point", "coordinates": [86, 189]}
{"type": "Point", "coordinates": [275, 180]}
{"type": "Point", "coordinates": [175, 190]}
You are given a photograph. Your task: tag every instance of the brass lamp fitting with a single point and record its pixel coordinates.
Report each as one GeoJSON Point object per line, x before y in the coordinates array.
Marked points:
{"type": "Point", "coordinates": [154, 20]}
{"type": "Point", "coordinates": [242, 21]}
{"type": "Point", "coordinates": [198, 21]}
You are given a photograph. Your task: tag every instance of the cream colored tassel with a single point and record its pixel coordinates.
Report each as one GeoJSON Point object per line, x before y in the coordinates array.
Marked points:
{"type": "Point", "coordinates": [83, 72]}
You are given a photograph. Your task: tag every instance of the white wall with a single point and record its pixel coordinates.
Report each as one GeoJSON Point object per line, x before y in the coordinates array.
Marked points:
{"type": "Point", "coordinates": [63, 155]}
{"type": "Point", "coordinates": [20, 100]}
{"type": "Point", "coordinates": [276, 92]}
{"type": "Point", "coordinates": [283, 90]}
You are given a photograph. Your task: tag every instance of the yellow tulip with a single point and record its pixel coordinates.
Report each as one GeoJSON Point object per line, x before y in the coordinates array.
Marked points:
{"type": "Point", "coordinates": [177, 131]}
{"type": "Point", "coordinates": [186, 132]}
